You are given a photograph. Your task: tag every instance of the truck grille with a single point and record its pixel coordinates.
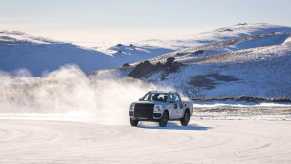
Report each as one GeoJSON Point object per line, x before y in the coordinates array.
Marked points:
{"type": "Point", "coordinates": [143, 111]}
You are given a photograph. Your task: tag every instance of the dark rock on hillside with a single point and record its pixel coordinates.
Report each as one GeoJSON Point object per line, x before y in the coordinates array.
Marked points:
{"type": "Point", "coordinates": [199, 52]}
{"type": "Point", "coordinates": [142, 69]}
{"type": "Point", "coordinates": [126, 65]}
{"type": "Point", "coordinates": [210, 81]}
{"type": "Point", "coordinates": [146, 68]}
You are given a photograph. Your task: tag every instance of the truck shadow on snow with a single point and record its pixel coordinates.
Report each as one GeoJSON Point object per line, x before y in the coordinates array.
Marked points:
{"type": "Point", "coordinates": [174, 126]}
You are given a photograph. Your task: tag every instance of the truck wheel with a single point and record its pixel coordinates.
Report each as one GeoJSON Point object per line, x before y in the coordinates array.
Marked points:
{"type": "Point", "coordinates": [164, 120]}
{"type": "Point", "coordinates": [186, 119]}
{"type": "Point", "coordinates": [133, 122]}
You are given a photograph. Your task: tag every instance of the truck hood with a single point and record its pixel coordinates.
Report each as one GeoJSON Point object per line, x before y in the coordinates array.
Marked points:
{"type": "Point", "coordinates": [143, 102]}
{"type": "Point", "coordinates": [150, 102]}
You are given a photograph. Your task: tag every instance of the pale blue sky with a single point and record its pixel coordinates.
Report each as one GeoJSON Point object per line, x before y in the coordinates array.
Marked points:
{"type": "Point", "coordinates": [97, 20]}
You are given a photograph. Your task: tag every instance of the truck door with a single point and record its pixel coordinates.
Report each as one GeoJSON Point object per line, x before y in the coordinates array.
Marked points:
{"type": "Point", "coordinates": [176, 106]}
{"type": "Point", "coordinates": [179, 104]}
{"type": "Point", "coordinates": [173, 107]}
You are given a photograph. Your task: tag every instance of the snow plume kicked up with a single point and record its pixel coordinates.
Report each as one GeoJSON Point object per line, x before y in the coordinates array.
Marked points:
{"type": "Point", "coordinates": [71, 95]}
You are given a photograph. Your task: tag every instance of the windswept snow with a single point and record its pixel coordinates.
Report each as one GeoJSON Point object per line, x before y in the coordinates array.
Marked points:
{"type": "Point", "coordinates": [68, 91]}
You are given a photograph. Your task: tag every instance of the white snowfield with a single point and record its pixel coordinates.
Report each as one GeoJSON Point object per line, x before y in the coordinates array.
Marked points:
{"type": "Point", "coordinates": [204, 141]}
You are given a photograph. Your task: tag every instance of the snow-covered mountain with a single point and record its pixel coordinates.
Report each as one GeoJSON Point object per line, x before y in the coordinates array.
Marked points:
{"type": "Point", "coordinates": [251, 60]}
{"type": "Point", "coordinates": [244, 59]}
{"type": "Point", "coordinates": [37, 55]}
{"type": "Point", "coordinates": [40, 55]}
{"type": "Point", "coordinates": [226, 33]}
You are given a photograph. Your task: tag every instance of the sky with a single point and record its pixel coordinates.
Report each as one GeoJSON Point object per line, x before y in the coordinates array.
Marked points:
{"type": "Point", "coordinates": [96, 21]}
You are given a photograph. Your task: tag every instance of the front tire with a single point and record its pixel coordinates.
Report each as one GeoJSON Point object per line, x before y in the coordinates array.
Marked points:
{"type": "Point", "coordinates": [133, 122]}
{"type": "Point", "coordinates": [186, 119]}
{"type": "Point", "coordinates": [164, 120]}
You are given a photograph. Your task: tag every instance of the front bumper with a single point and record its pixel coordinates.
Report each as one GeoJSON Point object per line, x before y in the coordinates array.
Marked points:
{"type": "Point", "coordinates": [144, 111]}
{"type": "Point", "coordinates": [153, 117]}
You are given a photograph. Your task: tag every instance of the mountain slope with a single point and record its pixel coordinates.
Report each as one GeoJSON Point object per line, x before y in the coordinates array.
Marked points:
{"type": "Point", "coordinates": [251, 60]}
{"type": "Point", "coordinates": [136, 52]}
{"type": "Point", "coordinates": [222, 34]}
{"type": "Point", "coordinates": [260, 72]}
{"type": "Point", "coordinates": [39, 55]}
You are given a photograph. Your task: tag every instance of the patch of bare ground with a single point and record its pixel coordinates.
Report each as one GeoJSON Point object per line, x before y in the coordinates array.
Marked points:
{"type": "Point", "coordinates": [146, 68]}
{"type": "Point", "coordinates": [209, 81]}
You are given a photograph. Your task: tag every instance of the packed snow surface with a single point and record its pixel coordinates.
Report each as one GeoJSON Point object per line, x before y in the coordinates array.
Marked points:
{"type": "Point", "coordinates": [204, 141]}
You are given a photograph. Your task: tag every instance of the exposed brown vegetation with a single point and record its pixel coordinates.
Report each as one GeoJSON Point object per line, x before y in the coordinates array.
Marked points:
{"type": "Point", "coordinates": [146, 68]}
{"type": "Point", "coordinates": [210, 81]}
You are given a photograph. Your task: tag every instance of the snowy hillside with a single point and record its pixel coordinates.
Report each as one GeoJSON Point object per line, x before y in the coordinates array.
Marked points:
{"type": "Point", "coordinates": [38, 56]}
{"type": "Point", "coordinates": [136, 52]}
{"type": "Point", "coordinates": [251, 60]}
{"type": "Point", "coordinates": [16, 36]}
{"type": "Point", "coordinates": [241, 30]}
{"type": "Point", "coordinates": [20, 51]}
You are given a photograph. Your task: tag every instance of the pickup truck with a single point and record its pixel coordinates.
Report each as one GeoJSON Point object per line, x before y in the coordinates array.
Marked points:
{"type": "Point", "coordinates": [160, 107]}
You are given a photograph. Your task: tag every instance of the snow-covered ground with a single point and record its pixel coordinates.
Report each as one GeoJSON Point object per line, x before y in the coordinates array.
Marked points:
{"type": "Point", "coordinates": [67, 117]}
{"type": "Point", "coordinates": [204, 141]}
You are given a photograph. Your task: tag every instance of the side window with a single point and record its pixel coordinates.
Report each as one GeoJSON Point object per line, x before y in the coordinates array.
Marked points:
{"type": "Point", "coordinates": [178, 100]}
{"type": "Point", "coordinates": [171, 98]}
{"type": "Point", "coordinates": [146, 97]}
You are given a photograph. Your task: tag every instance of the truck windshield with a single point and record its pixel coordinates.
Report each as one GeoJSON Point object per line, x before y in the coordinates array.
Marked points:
{"type": "Point", "coordinates": [162, 97]}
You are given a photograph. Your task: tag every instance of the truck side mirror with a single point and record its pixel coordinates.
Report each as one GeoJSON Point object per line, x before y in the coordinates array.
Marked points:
{"type": "Point", "coordinates": [140, 99]}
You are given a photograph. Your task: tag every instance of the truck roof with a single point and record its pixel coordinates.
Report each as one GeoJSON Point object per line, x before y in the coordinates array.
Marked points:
{"type": "Point", "coordinates": [165, 92]}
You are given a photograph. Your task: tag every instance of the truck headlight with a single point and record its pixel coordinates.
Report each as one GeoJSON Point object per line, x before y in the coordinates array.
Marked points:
{"type": "Point", "coordinates": [157, 108]}
{"type": "Point", "coordinates": [131, 108]}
